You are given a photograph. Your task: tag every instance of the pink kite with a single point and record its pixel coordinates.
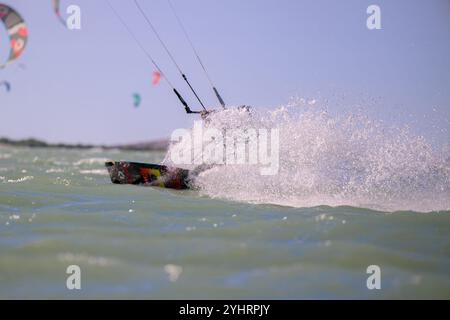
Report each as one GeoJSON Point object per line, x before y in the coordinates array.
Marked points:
{"type": "Point", "coordinates": [156, 77]}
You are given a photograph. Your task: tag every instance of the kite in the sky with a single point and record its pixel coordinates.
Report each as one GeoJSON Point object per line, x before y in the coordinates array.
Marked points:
{"type": "Point", "coordinates": [6, 84]}
{"type": "Point", "coordinates": [137, 100]}
{"type": "Point", "coordinates": [156, 77]}
{"type": "Point", "coordinates": [17, 32]}
{"type": "Point", "coordinates": [56, 8]}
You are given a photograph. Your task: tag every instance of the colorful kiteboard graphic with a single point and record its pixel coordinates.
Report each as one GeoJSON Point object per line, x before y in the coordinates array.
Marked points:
{"type": "Point", "coordinates": [147, 174]}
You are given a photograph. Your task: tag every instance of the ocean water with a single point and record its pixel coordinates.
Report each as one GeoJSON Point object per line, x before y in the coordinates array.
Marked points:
{"type": "Point", "coordinates": [380, 199]}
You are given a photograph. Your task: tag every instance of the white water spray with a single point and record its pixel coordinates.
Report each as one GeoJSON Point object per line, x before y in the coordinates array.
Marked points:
{"type": "Point", "coordinates": [324, 160]}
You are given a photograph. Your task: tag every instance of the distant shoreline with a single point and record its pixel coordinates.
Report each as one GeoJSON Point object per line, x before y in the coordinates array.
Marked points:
{"type": "Point", "coordinates": [154, 145]}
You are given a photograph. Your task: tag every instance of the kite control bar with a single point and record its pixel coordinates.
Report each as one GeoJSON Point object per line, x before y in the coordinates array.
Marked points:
{"type": "Point", "coordinates": [184, 103]}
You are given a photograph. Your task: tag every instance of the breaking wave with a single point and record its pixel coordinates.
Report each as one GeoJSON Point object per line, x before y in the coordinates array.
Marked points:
{"type": "Point", "coordinates": [332, 160]}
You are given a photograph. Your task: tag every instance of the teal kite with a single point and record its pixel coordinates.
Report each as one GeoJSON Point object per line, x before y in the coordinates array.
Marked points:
{"type": "Point", "coordinates": [137, 100]}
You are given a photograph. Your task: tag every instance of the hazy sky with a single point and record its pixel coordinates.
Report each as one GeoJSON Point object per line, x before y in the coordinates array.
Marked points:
{"type": "Point", "coordinates": [77, 86]}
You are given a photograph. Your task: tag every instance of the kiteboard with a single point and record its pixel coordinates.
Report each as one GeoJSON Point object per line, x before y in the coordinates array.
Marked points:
{"type": "Point", "coordinates": [123, 172]}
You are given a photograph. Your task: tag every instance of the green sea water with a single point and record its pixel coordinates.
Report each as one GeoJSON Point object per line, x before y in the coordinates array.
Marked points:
{"type": "Point", "coordinates": [59, 208]}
